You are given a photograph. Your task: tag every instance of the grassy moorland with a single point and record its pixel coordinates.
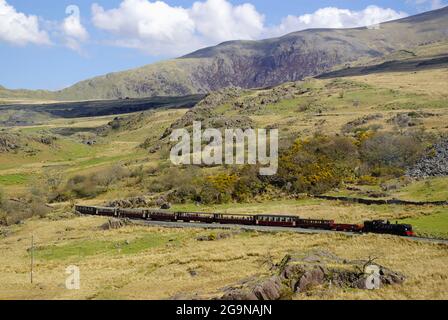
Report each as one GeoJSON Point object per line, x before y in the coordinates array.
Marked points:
{"type": "Point", "coordinates": [152, 263]}
{"type": "Point", "coordinates": [48, 166]}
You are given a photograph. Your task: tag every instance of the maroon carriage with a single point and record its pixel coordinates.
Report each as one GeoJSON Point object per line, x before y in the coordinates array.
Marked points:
{"type": "Point", "coordinates": [315, 224]}
{"type": "Point", "coordinates": [275, 221]}
{"type": "Point", "coordinates": [195, 217]}
{"type": "Point", "coordinates": [233, 219]}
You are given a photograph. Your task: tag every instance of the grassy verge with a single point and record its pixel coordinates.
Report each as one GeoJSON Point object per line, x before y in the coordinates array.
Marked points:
{"type": "Point", "coordinates": [87, 248]}
{"type": "Point", "coordinates": [435, 225]}
{"type": "Point", "coordinates": [435, 189]}
{"type": "Point", "coordinates": [14, 179]}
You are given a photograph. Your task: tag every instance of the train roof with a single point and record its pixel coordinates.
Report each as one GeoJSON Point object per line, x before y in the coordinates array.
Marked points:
{"type": "Point", "coordinates": [277, 216]}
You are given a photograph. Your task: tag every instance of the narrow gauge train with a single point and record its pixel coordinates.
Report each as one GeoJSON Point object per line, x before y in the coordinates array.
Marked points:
{"type": "Point", "coordinates": [377, 226]}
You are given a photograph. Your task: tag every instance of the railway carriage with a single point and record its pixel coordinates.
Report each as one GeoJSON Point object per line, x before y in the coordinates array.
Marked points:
{"type": "Point", "coordinates": [195, 217]}
{"type": "Point", "coordinates": [86, 210]}
{"type": "Point", "coordinates": [108, 212]}
{"type": "Point", "coordinates": [315, 224]}
{"type": "Point", "coordinates": [132, 213]}
{"type": "Point", "coordinates": [160, 215]}
{"type": "Point", "coordinates": [234, 219]}
{"type": "Point", "coordinates": [275, 221]}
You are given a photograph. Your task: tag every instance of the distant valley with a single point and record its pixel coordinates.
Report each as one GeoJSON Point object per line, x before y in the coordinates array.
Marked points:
{"type": "Point", "coordinates": [30, 114]}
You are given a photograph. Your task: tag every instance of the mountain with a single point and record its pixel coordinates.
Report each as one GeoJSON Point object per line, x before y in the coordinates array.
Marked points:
{"type": "Point", "coordinates": [251, 64]}
{"type": "Point", "coordinates": [21, 95]}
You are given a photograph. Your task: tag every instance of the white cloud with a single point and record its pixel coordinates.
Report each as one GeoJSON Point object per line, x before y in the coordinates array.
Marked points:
{"type": "Point", "coordinates": [73, 31]}
{"type": "Point", "coordinates": [428, 4]}
{"type": "Point", "coordinates": [20, 29]}
{"type": "Point", "coordinates": [152, 26]}
{"type": "Point", "coordinates": [160, 29]}
{"type": "Point", "coordinates": [219, 20]}
{"type": "Point", "coordinates": [331, 17]}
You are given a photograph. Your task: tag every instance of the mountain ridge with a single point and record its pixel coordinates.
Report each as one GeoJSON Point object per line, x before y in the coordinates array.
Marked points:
{"type": "Point", "coordinates": [262, 63]}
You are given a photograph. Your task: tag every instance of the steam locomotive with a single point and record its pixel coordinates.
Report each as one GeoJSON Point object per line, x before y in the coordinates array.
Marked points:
{"type": "Point", "coordinates": [377, 226]}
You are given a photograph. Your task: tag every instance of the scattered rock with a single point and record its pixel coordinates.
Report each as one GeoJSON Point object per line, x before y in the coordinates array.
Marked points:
{"type": "Point", "coordinates": [396, 185]}
{"type": "Point", "coordinates": [135, 202]}
{"type": "Point", "coordinates": [47, 140]}
{"type": "Point", "coordinates": [165, 206]}
{"type": "Point", "coordinates": [113, 224]}
{"type": "Point", "coordinates": [192, 272]}
{"type": "Point", "coordinates": [254, 103]}
{"type": "Point", "coordinates": [214, 237]}
{"type": "Point", "coordinates": [409, 119]}
{"type": "Point", "coordinates": [350, 126]}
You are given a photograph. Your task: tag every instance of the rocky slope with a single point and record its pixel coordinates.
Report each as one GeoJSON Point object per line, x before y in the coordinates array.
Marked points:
{"type": "Point", "coordinates": [435, 164]}
{"type": "Point", "coordinates": [250, 64]}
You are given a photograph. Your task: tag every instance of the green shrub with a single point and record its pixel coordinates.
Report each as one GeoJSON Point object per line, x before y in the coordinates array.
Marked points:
{"type": "Point", "coordinates": [249, 184]}
{"type": "Point", "coordinates": [317, 165]}
{"type": "Point", "coordinates": [218, 189]}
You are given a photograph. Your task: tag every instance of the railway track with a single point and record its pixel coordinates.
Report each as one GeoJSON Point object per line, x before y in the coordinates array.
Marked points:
{"type": "Point", "coordinates": [263, 223]}
{"type": "Point", "coordinates": [195, 225]}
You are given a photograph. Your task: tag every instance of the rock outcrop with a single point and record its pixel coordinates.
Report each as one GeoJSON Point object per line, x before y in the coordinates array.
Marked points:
{"type": "Point", "coordinates": [113, 224]}
{"type": "Point", "coordinates": [205, 113]}
{"type": "Point", "coordinates": [9, 142]}
{"type": "Point", "coordinates": [298, 274]}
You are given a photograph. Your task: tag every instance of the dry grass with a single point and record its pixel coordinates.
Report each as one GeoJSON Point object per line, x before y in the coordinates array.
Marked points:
{"type": "Point", "coordinates": [428, 82]}
{"type": "Point", "coordinates": [162, 271]}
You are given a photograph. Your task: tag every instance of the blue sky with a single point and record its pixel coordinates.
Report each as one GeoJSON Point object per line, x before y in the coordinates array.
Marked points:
{"type": "Point", "coordinates": [43, 46]}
